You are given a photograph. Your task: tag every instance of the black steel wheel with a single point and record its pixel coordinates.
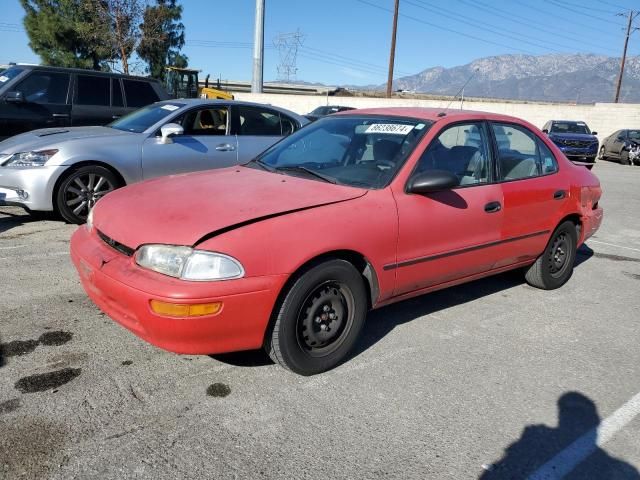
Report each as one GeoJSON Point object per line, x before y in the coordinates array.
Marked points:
{"type": "Point", "coordinates": [81, 189]}
{"type": "Point", "coordinates": [554, 267]}
{"type": "Point", "coordinates": [319, 319]}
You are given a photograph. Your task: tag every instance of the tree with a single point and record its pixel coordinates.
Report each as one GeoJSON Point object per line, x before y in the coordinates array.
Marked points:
{"type": "Point", "coordinates": [57, 31]}
{"type": "Point", "coordinates": [162, 37]}
{"type": "Point", "coordinates": [116, 25]}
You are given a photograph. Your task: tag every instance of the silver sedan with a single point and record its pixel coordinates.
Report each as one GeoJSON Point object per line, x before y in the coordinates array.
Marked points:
{"type": "Point", "coordinates": [68, 169]}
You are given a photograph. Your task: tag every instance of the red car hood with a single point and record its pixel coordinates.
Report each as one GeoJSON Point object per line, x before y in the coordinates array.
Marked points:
{"type": "Point", "coordinates": [181, 209]}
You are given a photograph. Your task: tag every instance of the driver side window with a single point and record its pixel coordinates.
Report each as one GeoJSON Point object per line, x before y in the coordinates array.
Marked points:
{"type": "Point", "coordinates": [463, 150]}
{"type": "Point", "coordinates": [206, 121]}
{"type": "Point", "coordinates": [45, 87]}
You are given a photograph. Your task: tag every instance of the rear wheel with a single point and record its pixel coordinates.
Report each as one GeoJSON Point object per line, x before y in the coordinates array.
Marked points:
{"type": "Point", "coordinates": [554, 267]}
{"type": "Point", "coordinates": [320, 318]}
{"type": "Point", "coordinates": [81, 189]}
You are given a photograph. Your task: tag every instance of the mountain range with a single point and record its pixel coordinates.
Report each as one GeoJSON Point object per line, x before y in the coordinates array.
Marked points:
{"type": "Point", "coordinates": [579, 78]}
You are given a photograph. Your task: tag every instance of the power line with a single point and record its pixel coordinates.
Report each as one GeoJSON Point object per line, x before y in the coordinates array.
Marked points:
{"type": "Point", "coordinates": [593, 9]}
{"type": "Point", "coordinates": [528, 23]}
{"type": "Point", "coordinates": [560, 5]}
{"type": "Point", "coordinates": [459, 18]}
{"type": "Point", "coordinates": [446, 29]}
{"type": "Point", "coordinates": [570, 21]}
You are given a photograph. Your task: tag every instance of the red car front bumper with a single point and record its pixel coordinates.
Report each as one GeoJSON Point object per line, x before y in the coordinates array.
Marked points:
{"type": "Point", "coordinates": [123, 290]}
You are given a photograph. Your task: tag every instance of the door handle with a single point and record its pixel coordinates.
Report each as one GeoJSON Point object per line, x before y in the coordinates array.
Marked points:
{"type": "Point", "coordinates": [225, 147]}
{"type": "Point", "coordinates": [559, 195]}
{"type": "Point", "coordinates": [492, 207]}
{"type": "Point", "coordinates": [60, 115]}
{"type": "Point", "coordinates": [116, 117]}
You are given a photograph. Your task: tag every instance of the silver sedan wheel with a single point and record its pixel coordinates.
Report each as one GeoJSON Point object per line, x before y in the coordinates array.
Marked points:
{"type": "Point", "coordinates": [84, 191]}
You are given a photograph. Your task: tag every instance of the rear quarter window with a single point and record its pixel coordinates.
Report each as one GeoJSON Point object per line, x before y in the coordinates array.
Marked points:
{"type": "Point", "coordinates": [139, 93]}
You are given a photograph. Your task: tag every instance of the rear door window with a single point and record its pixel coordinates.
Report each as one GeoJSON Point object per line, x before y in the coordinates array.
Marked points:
{"type": "Point", "coordinates": [258, 121]}
{"type": "Point", "coordinates": [521, 154]}
{"type": "Point", "coordinates": [45, 87]}
{"type": "Point", "coordinates": [93, 90]}
{"type": "Point", "coordinates": [139, 94]}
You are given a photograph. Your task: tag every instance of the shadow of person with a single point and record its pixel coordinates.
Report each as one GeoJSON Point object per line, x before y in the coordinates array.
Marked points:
{"type": "Point", "coordinates": [568, 451]}
{"type": "Point", "coordinates": [1, 354]}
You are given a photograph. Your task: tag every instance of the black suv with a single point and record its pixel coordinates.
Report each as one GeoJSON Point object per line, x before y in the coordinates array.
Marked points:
{"type": "Point", "coordinates": [38, 97]}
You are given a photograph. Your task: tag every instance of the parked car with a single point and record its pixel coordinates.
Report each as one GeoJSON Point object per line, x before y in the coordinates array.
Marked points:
{"type": "Point", "coordinates": [326, 110]}
{"type": "Point", "coordinates": [34, 97]}
{"type": "Point", "coordinates": [355, 211]}
{"type": "Point", "coordinates": [574, 138]}
{"type": "Point", "coordinates": [623, 145]}
{"type": "Point", "coordinates": [69, 169]}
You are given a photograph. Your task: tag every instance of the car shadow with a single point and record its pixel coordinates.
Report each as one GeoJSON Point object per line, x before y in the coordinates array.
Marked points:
{"type": "Point", "coordinates": [2, 361]}
{"type": "Point", "coordinates": [382, 321]}
{"type": "Point", "coordinates": [19, 217]}
{"type": "Point", "coordinates": [248, 358]}
{"type": "Point", "coordinates": [568, 450]}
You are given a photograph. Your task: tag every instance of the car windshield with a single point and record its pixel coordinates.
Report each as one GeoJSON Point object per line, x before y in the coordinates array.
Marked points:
{"type": "Point", "coordinates": [146, 117]}
{"type": "Point", "coordinates": [360, 151]}
{"type": "Point", "coordinates": [570, 127]}
{"type": "Point", "coordinates": [634, 134]}
{"type": "Point", "coordinates": [8, 74]}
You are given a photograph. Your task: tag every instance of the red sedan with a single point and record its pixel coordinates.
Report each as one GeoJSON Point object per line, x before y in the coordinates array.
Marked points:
{"type": "Point", "coordinates": [355, 211]}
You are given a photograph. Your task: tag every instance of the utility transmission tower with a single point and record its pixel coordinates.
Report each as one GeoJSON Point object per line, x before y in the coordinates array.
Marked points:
{"type": "Point", "coordinates": [287, 45]}
{"type": "Point", "coordinates": [632, 15]}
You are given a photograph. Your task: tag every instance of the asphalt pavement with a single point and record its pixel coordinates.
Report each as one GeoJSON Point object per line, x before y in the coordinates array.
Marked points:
{"type": "Point", "coordinates": [492, 379]}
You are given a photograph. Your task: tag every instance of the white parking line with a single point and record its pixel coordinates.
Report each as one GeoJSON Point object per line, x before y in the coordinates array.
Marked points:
{"type": "Point", "coordinates": [11, 248]}
{"type": "Point", "coordinates": [568, 459]}
{"type": "Point", "coordinates": [614, 245]}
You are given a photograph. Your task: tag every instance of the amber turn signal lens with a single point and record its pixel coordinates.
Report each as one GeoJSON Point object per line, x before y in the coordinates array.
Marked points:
{"type": "Point", "coordinates": [185, 310]}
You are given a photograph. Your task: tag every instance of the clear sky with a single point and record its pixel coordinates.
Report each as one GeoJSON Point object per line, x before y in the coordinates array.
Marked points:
{"type": "Point", "coordinates": [347, 41]}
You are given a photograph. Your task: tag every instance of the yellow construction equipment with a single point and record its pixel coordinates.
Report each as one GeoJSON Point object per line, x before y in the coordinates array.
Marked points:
{"type": "Point", "coordinates": [183, 83]}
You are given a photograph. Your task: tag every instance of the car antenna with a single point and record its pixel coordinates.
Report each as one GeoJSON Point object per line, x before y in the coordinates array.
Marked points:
{"type": "Point", "coordinates": [443, 113]}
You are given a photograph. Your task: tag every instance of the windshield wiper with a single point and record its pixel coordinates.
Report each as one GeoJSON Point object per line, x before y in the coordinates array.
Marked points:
{"type": "Point", "coordinates": [261, 164]}
{"type": "Point", "coordinates": [300, 168]}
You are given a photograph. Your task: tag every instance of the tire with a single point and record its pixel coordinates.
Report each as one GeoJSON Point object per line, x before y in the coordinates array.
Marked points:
{"type": "Point", "coordinates": [624, 158]}
{"type": "Point", "coordinates": [554, 267]}
{"type": "Point", "coordinates": [601, 154]}
{"type": "Point", "coordinates": [81, 188]}
{"type": "Point", "coordinates": [320, 318]}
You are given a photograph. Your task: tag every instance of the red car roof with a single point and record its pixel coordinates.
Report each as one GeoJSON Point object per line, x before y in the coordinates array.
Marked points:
{"type": "Point", "coordinates": [433, 114]}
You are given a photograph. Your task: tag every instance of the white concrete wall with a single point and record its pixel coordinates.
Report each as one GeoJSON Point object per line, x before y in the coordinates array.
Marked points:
{"type": "Point", "coordinates": [604, 118]}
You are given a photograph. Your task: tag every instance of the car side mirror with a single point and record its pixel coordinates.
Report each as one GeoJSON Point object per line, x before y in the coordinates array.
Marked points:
{"type": "Point", "coordinates": [544, 130]}
{"type": "Point", "coordinates": [170, 130]}
{"type": "Point", "coordinates": [594, 133]}
{"type": "Point", "coordinates": [432, 181]}
{"type": "Point", "coordinates": [14, 97]}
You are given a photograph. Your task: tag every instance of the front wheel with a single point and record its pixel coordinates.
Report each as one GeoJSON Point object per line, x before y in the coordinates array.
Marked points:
{"type": "Point", "coordinates": [320, 318]}
{"type": "Point", "coordinates": [81, 189]}
{"type": "Point", "coordinates": [624, 158]}
{"type": "Point", "coordinates": [554, 267]}
{"type": "Point", "coordinates": [601, 155]}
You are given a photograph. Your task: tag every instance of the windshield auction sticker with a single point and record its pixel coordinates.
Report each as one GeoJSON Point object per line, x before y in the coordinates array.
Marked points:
{"type": "Point", "coordinates": [389, 128]}
{"type": "Point", "coordinates": [171, 108]}
{"type": "Point", "coordinates": [3, 79]}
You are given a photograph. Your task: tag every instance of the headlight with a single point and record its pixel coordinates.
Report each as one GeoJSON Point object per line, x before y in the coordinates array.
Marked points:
{"type": "Point", "coordinates": [29, 159]}
{"type": "Point", "coordinates": [188, 264]}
